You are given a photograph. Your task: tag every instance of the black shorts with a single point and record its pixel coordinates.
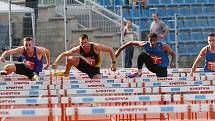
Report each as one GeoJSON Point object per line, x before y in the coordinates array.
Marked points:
{"type": "Point", "coordinates": [91, 71]}
{"type": "Point", "coordinates": [146, 58]}
{"type": "Point", "coordinates": [22, 70]}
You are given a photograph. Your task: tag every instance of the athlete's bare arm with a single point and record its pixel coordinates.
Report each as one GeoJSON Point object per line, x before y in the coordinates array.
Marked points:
{"type": "Point", "coordinates": [100, 47]}
{"type": "Point", "coordinates": [44, 52]}
{"type": "Point", "coordinates": [199, 58]}
{"type": "Point", "coordinates": [135, 43]}
{"type": "Point", "coordinates": [75, 50]}
{"type": "Point", "coordinates": [170, 52]}
{"type": "Point", "coordinates": [17, 50]}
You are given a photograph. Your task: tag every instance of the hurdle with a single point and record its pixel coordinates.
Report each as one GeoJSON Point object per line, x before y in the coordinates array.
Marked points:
{"type": "Point", "coordinates": [63, 93]}
{"type": "Point", "coordinates": [188, 109]}
{"type": "Point", "coordinates": [142, 110]}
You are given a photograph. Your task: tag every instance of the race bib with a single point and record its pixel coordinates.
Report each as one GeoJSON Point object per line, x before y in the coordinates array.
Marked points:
{"type": "Point", "coordinates": [211, 65]}
{"type": "Point", "coordinates": [90, 61]}
{"type": "Point", "coordinates": [29, 65]}
{"type": "Point", "coordinates": [156, 59]}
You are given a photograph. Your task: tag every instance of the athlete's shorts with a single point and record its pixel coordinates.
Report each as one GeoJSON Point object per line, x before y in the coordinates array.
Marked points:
{"type": "Point", "coordinates": [22, 70]}
{"type": "Point", "coordinates": [91, 71]}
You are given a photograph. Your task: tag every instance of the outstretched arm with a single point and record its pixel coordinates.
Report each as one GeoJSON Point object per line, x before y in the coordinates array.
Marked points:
{"type": "Point", "coordinates": [135, 43]}
{"type": "Point", "coordinates": [46, 52]}
{"type": "Point", "coordinates": [199, 58]}
{"type": "Point", "coordinates": [65, 54]}
{"type": "Point", "coordinates": [165, 33]}
{"type": "Point", "coordinates": [172, 54]}
{"type": "Point", "coordinates": [165, 28]}
{"type": "Point", "coordinates": [11, 52]}
{"type": "Point", "coordinates": [104, 48]}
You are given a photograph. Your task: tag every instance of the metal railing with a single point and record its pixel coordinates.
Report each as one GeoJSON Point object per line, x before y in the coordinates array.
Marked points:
{"type": "Point", "coordinates": [105, 20]}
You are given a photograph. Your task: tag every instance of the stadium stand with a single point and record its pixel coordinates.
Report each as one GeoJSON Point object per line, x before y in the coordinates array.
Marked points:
{"type": "Point", "coordinates": [195, 19]}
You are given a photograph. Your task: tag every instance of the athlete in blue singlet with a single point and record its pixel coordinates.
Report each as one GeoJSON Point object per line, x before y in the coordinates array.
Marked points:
{"type": "Point", "coordinates": [207, 53]}
{"type": "Point", "coordinates": [155, 57]}
{"type": "Point", "coordinates": [32, 60]}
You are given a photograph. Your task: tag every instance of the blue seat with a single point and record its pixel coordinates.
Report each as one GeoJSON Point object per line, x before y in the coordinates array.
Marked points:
{"type": "Point", "coordinates": [154, 2]}
{"type": "Point", "coordinates": [198, 47]}
{"type": "Point", "coordinates": [136, 22]}
{"type": "Point", "coordinates": [196, 36]}
{"type": "Point", "coordinates": [165, 1]}
{"type": "Point", "coordinates": [125, 2]}
{"type": "Point", "coordinates": [170, 11]}
{"type": "Point", "coordinates": [161, 11]}
{"type": "Point", "coordinates": [211, 22]}
{"type": "Point", "coordinates": [145, 25]}
{"type": "Point", "coordinates": [178, 1]}
{"type": "Point", "coordinates": [201, 1]}
{"type": "Point", "coordinates": [152, 10]}
{"type": "Point", "coordinates": [203, 22]}
{"type": "Point", "coordinates": [134, 12]}
{"type": "Point", "coordinates": [117, 3]}
{"type": "Point", "coordinates": [190, 23]}
{"type": "Point", "coordinates": [146, 13]}
{"type": "Point", "coordinates": [183, 50]}
{"type": "Point", "coordinates": [196, 10]}
{"type": "Point", "coordinates": [184, 10]}
{"type": "Point", "coordinates": [125, 14]}
{"type": "Point", "coordinates": [205, 36]}
{"type": "Point", "coordinates": [105, 3]}
{"type": "Point", "coordinates": [171, 36]}
{"type": "Point", "coordinates": [211, 1]}
{"type": "Point", "coordinates": [180, 23]}
{"type": "Point", "coordinates": [171, 24]}
{"type": "Point", "coordinates": [194, 50]}
{"type": "Point", "coordinates": [190, 1]}
{"type": "Point", "coordinates": [208, 10]}
{"type": "Point", "coordinates": [184, 36]}
{"type": "Point", "coordinates": [187, 49]}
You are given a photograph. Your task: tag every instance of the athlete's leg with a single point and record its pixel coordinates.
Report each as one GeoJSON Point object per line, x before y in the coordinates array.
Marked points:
{"type": "Point", "coordinates": [8, 69]}
{"type": "Point", "coordinates": [71, 61]}
{"type": "Point", "coordinates": [36, 76]}
{"type": "Point", "coordinates": [97, 76]}
{"type": "Point", "coordinates": [145, 58]}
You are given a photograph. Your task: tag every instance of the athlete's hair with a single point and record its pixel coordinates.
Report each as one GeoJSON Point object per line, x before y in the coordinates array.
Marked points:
{"type": "Point", "coordinates": [27, 39]}
{"type": "Point", "coordinates": [83, 36]}
{"type": "Point", "coordinates": [155, 14]}
{"type": "Point", "coordinates": [211, 34]}
{"type": "Point", "coordinates": [152, 35]}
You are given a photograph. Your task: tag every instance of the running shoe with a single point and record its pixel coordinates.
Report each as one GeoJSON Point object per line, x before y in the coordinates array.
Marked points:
{"type": "Point", "coordinates": [134, 75]}
{"type": "Point", "coordinates": [58, 73]}
{"type": "Point", "coordinates": [93, 105]}
{"type": "Point", "coordinates": [3, 73]}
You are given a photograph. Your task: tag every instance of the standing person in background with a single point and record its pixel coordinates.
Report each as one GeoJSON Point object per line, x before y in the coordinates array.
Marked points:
{"type": "Point", "coordinates": [32, 57]}
{"type": "Point", "coordinates": [129, 51]}
{"type": "Point", "coordinates": [207, 53]}
{"type": "Point", "coordinates": [159, 27]}
{"type": "Point", "coordinates": [144, 3]}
